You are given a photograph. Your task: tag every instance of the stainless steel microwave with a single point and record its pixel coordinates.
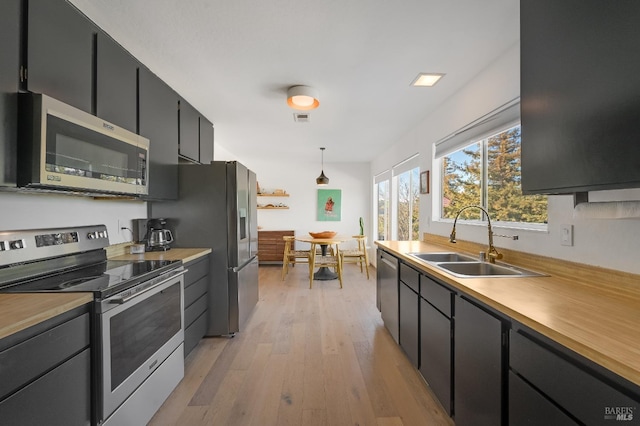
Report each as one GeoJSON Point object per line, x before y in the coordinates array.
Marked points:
{"type": "Point", "coordinates": [61, 147]}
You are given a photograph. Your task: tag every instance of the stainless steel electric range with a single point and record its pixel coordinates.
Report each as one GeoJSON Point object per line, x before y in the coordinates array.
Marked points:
{"type": "Point", "coordinates": [137, 313]}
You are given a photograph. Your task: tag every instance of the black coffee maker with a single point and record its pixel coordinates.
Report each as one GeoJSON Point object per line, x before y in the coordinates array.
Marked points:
{"type": "Point", "coordinates": [153, 233]}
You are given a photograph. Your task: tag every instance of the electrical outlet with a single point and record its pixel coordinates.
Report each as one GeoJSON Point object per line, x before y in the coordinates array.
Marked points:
{"type": "Point", "coordinates": [566, 235]}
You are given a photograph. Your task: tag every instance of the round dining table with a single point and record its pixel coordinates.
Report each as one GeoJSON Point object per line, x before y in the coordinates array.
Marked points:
{"type": "Point", "coordinates": [323, 273]}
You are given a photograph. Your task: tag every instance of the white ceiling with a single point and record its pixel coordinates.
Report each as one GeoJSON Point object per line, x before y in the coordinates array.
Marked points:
{"type": "Point", "coordinates": [234, 60]}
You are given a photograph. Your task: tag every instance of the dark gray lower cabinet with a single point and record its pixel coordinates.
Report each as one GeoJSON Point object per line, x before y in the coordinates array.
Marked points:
{"type": "Point", "coordinates": [196, 286]}
{"type": "Point", "coordinates": [409, 288]}
{"type": "Point", "coordinates": [478, 369]}
{"type": "Point", "coordinates": [562, 380]}
{"type": "Point", "coordinates": [528, 407]}
{"type": "Point", "coordinates": [45, 373]}
{"type": "Point", "coordinates": [409, 320]}
{"type": "Point", "coordinates": [435, 352]}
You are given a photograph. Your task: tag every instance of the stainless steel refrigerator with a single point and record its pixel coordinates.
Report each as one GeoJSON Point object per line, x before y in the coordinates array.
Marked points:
{"type": "Point", "coordinates": [217, 209]}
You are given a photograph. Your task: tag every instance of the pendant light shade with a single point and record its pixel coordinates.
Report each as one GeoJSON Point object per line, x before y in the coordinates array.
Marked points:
{"type": "Point", "coordinates": [322, 180]}
{"type": "Point", "coordinates": [302, 98]}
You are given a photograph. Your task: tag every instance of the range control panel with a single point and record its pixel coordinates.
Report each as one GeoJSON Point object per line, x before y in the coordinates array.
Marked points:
{"type": "Point", "coordinates": [11, 245]}
{"type": "Point", "coordinates": [28, 245]}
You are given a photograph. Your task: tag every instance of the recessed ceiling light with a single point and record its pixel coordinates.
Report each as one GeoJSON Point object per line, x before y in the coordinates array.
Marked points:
{"type": "Point", "coordinates": [426, 79]}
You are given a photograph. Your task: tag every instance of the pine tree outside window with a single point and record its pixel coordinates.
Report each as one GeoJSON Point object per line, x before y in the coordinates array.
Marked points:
{"type": "Point", "coordinates": [487, 173]}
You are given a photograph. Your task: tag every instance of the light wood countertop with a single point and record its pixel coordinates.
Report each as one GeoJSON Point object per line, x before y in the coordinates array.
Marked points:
{"type": "Point", "coordinates": [19, 311]}
{"type": "Point", "coordinates": [598, 321]}
{"type": "Point", "coordinates": [184, 254]}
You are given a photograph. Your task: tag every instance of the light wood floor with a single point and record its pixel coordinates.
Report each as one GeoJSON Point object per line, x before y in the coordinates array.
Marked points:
{"type": "Point", "coordinates": [305, 357]}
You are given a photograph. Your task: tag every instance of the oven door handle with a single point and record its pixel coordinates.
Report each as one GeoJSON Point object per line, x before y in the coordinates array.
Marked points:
{"type": "Point", "coordinates": [120, 300]}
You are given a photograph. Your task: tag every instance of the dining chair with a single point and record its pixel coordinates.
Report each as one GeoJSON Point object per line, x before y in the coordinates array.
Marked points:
{"type": "Point", "coordinates": [357, 255]}
{"type": "Point", "coordinates": [291, 256]}
{"type": "Point", "coordinates": [331, 260]}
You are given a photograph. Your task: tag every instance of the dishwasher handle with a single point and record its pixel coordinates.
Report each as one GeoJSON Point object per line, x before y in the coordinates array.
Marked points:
{"type": "Point", "coordinates": [388, 263]}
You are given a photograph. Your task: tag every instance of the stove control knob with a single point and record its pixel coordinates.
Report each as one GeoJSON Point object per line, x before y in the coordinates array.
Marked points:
{"type": "Point", "coordinates": [16, 244]}
{"type": "Point", "coordinates": [92, 235]}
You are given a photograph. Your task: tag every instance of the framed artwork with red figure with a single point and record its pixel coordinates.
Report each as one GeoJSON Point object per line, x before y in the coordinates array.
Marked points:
{"type": "Point", "coordinates": [329, 205]}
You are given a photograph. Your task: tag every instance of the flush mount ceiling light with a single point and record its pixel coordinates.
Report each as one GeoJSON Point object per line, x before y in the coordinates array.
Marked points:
{"type": "Point", "coordinates": [322, 180]}
{"type": "Point", "coordinates": [302, 97]}
{"type": "Point", "coordinates": [426, 79]}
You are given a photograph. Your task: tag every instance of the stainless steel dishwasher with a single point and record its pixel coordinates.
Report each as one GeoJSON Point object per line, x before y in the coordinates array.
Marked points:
{"type": "Point", "coordinates": [387, 276]}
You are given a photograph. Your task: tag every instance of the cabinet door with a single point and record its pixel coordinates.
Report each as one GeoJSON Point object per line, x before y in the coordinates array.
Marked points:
{"type": "Point", "coordinates": [206, 141]}
{"type": "Point", "coordinates": [528, 408]}
{"type": "Point", "coordinates": [189, 131]}
{"type": "Point", "coordinates": [116, 83]}
{"type": "Point", "coordinates": [60, 52]}
{"type": "Point", "coordinates": [409, 305]}
{"type": "Point", "coordinates": [477, 366]}
{"type": "Point", "coordinates": [435, 352]}
{"type": "Point", "coordinates": [60, 397]}
{"type": "Point", "coordinates": [158, 117]}
{"type": "Point", "coordinates": [9, 70]}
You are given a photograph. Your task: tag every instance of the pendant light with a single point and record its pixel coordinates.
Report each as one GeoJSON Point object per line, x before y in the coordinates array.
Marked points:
{"type": "Point", "coordinates": [322, 180]}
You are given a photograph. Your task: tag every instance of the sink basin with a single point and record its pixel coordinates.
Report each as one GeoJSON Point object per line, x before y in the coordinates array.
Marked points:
{"type": "Point", "coordinates": [443, 257]}
{"type": "Point", "coordinates": [485, 269]}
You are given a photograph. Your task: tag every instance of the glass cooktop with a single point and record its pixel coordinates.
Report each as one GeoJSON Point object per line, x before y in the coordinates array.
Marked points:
{"type": "Point", "coordinates": [103, 279]}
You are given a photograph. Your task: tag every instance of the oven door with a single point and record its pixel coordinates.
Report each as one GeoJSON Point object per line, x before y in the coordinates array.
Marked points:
{"type": "Point", "coordinates": [139, 330]}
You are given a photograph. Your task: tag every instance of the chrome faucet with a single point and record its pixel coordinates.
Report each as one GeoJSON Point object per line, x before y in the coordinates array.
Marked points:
{"type": "Point", "coordinates": [492, 254]}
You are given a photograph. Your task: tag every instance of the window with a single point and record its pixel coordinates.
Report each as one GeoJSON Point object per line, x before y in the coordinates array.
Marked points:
{"type": "Point", "coordinates": [382, 210]}
{"type": "Point", "coordinates": [487, 173]}
{"type": "Point", "coordinates": [397, 202]}
{"type": "Point", "coordinates": [408, 204]}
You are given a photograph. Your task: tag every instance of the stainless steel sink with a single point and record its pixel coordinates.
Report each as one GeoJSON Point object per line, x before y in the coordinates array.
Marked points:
{"type": "Point", "coordinates": [484, 269]}
{"type": "Point", "coordinates": [443, 257]}
{"type": "Point", "coordinates": [466, 266]}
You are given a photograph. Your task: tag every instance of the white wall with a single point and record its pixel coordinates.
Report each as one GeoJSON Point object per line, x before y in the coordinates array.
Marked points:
{"type": "Point", "coordinates": [299, 180]}
{"type": "Point", "coordinates": [612, 244]}
{"type": "Point", "coordinates": [30, 211]}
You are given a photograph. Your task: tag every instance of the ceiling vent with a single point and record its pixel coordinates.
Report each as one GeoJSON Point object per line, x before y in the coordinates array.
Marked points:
{"type": "Point", "coordinates": [301, 117]}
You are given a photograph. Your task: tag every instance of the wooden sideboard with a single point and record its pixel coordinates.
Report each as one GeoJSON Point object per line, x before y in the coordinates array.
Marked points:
{"type": "Point", "coordinates": [271, 245]}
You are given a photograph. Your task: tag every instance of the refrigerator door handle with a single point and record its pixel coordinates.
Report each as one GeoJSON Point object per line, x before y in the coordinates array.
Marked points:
{"type": "Point", "coordinates": [238, 268]}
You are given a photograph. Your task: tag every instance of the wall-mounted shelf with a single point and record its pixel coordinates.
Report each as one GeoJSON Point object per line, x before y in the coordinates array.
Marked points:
{"type": "Point", "coordinates": [273, 195]}
{"type": "Point", "coordinates": [274, 208]}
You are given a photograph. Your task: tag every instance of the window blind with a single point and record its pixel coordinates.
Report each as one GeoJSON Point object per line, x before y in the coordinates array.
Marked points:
{"type": "Point", "coordinates": [485, 126]}
{"type": "Point", "coordinates": [386, 175]}
{"type": "Point", "coordinates": [406, 165]}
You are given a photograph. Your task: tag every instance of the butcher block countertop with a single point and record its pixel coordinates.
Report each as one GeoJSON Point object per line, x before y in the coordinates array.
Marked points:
{"type": "Point", "coordinates": [592, 311]}
{"type": "Point", "coordinates": [184, 254]}
{"type": "Point", "coordinates": [19, 311]}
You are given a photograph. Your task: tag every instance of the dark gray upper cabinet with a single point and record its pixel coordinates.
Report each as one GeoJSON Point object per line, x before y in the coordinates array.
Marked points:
{"type": "Point", "coordinates": [158, 119]}
{"type": "Point", "coordinates": [189, 131]}
{"type": "Point", "coordinates": [60, 52]}
{"type": "Point", "coordinates": [116, 83]}
{"type": "Point", "coordinates": [579, 91]}
{"type": "Point", "coordinates": [9, 68]}
{"type": "Point", "coordinates": [206, 141]}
